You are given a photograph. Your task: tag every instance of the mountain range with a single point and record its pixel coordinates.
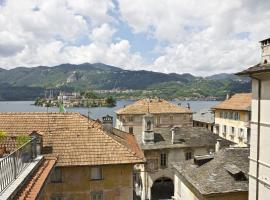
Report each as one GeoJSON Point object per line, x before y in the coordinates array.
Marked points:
{"type": "Point", "coordinates": [24, 83]}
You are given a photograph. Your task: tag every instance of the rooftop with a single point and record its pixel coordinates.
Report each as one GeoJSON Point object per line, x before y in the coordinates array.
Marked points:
{"type": "Point", "coordinates": [259, 68]}
{"type": "Point", "coordinates": [239, 101]}
{"type": "Point", "coordinates": [205, 116]}
{"type": "Point", "coordinates": [74, 139]}
{"type": "Point", "coordinates": [218, 175]}
{"type": "Point", "coordinates": [184, 137]}
{"type": "Point", "coordinates": [153, 106]}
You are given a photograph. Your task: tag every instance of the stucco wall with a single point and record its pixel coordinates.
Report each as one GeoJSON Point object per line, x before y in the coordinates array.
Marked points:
{"type": "Point", "coordinates": [117, 183]}
{"type": "Point", "coordinates": [237, 124]}
{"type": "Point", "coordinates": [148, 177]}
{"type": "Point", "coordinates": [264, 158]}
{"type": "Point", "coordinates": [166, 120]}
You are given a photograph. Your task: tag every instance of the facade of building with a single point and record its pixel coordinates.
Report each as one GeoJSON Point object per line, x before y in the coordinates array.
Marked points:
{"type": "Point", "coordinates": [166, 114]}
{"type": "Point", "coordinates": [204, 118]}
{"type": "Point", "coordinates": [220, 176]}
{"type": "Point", "coordinates": [232, 118]}
{"type": "Point", "coordinates": [163, 143]}
{"type": "Point", "coordinates": [259, 172]}
{"type": "Point", "coordinates": [93, 163]}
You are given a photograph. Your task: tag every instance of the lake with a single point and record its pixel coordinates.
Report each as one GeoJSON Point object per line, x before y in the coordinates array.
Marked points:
{"type": "Point", "coordinates": [95, 113]}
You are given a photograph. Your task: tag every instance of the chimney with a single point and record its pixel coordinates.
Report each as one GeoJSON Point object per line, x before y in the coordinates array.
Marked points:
{"type": "Point", "coordinates": [188, 106]}
{"type": "Point", "coordinates": [148, 135]}
{"type": "Point", "coordinates": [265, 45]}
{"type": "Point", "coordinates": [107, 123]}
{"type": "Point", "coordinates": [218, 144]}
{"type": "Point", "coordinates": [228, 96]}
{"type": "Point", "coordinates": [173, 134]}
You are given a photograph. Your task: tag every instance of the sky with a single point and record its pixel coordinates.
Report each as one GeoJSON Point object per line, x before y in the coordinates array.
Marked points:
{"type": "Point", "coordinates": [170, 36]}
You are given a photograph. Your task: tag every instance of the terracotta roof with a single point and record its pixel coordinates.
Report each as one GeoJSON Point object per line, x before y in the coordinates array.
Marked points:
{"type": "Point", "coordinates": [33, 186]}
{"type": "Point", "coordinates": [239, 101]}
{"type": "Point", "coordinates": [153, 106]}
{"type": "Point", "coordinates": [76, 139]}
{"type": "Point", "coordinates": [214, 176]}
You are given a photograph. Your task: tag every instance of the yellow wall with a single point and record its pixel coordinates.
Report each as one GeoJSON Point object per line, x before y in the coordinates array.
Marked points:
{"type": "Point", "coordinates": [117, 183]}
{"type": "Point", "coordinates": [237, 124]}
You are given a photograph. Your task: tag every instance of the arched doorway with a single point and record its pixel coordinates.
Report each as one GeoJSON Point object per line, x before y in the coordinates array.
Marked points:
{"type": "Point", "coordinates": [162, 188]}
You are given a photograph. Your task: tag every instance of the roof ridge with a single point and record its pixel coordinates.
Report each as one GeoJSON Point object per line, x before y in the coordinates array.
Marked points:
{"type": "Point", "coordinates": [122, 145]}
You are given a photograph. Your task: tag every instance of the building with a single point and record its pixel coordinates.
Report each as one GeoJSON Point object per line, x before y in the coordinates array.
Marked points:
{"type": "Point", "coordinates": [93, 163]}
{"type": "Point", "coordinates": [221, 176]}
{"type": "Point", "coordinates": [204, 118]}
{"type": "Point", "coordinates": [259, 173]}
{"type": "Point", "coordinates": [166, 114]}
{"type": "Point", "coordinates": [23, 171]}
{"type": "Point", "coordinates": [232, 118]}
{"type": "Point", "coordinates": [155, 180]}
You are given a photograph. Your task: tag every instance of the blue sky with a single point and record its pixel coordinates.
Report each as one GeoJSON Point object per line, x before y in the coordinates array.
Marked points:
{"type": "Point", "coordinates": [168, 36]}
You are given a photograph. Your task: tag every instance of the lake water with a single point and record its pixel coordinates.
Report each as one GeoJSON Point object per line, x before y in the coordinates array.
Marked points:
{"type": "Point", "coordinates": [95, 113]}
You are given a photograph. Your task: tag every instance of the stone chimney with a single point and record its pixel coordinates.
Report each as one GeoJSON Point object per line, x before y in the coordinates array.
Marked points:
{"type": "Point", "coordinates": [218, 146]}
{"type": "Point", "coordinates": [265, 45]}
{"type": "Point", "coordinates": [107, 123]}
{"type": "Point", "coordinates": [148, 129]}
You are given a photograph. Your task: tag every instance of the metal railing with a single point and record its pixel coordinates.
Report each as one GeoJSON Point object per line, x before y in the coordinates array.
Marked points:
{"type": "Point", "coordinates": [13, 164]}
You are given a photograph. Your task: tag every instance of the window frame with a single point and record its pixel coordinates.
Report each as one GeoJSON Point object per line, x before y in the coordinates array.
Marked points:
{"type": "Point", "coordinates": [97, 193]}
{"type": "Point", "coordinates": [101, 173]}
{"type": "Point", "coordinates": [188, 155]}
{"type": "Point", "coordinates": [163, 160]}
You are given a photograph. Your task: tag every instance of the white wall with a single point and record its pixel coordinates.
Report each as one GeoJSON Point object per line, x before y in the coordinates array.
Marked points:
{"type": "Point", "coordinates": [264, 157]}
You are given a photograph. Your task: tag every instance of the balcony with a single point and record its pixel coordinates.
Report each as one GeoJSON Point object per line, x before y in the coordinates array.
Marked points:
{"type": "Point", "coordinates": [17, 167]}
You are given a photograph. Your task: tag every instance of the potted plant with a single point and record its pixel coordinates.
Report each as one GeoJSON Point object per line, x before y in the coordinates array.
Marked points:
{"type": "Point", "coordinates": [3, 136]}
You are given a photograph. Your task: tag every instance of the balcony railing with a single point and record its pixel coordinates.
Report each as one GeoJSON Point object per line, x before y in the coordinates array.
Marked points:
{"type": "Point", "coordinates": [13, 165]}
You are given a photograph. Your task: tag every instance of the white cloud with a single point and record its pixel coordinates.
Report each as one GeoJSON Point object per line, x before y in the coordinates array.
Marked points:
{"type": "Point", "coordinates": [38, 32]}
{"type": "Point", "coordinates": [192, 35]}
{"type": "Point", "coordinates": [201, 37]}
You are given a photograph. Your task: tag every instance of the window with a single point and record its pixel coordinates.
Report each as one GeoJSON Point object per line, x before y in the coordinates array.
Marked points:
{"type": "Point", "coordinates": [221, 114]}
{"type": "Point", "coordinates": [57, 197]}
{"type": "Point", "coordinates": [241, 132]}
{"type": "Point", "coordinates": [96, 173]}
{"type": "Point", "coordinates": [130, 129]}
{"type": "Point", "coordinates": [233, 130]}
{"type": "Point", "coordinates": [236, 116]}
{"type": "Point", "coordinates": [56, 176]}
{"type": "Point", "coordinates": [158, 120]}
{"type": "Point", "coordinates": [171, 118]}
{"type": "Point", "coordinates": [148, 126]}
{"type": "Point", "coordinates": [224, 129]}
{"type": "Point", "coordinates": [163, 160]}
{"type": "Point", "coordinates": [97, 195]}
{"type": "Point", "coordinates": [130, 118]}
{"type": "Point", "coordinates": [230, 115]}
{"type": "Point", "coordinates": [188, 155]}
{"type": "Point", "coordinates": [225, 115]}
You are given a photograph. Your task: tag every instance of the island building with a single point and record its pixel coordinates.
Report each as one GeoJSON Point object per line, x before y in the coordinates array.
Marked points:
{"type": "Point", "coordinates": [204, 118]}
{"type": "Point", "coordinates": [163, 142]}
{"type": "Point", "coordinates": [219, 176]}
{"type": "Point", "coordinates": [93, 162]}
{"type": "Point", "coordinates": [232, 118]}
{"type": "Point", "coordinates": [165, 115]}
{"type": "Point", "coordinates": [259, 171]}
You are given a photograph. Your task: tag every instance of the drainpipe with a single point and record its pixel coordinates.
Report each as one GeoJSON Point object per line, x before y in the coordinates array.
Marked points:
{"type": "Point", "coordinates": [258, 137]}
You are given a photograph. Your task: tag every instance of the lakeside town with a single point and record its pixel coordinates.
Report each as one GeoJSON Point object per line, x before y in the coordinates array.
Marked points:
{"type": "Point", "coordinates": [155, 150]}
